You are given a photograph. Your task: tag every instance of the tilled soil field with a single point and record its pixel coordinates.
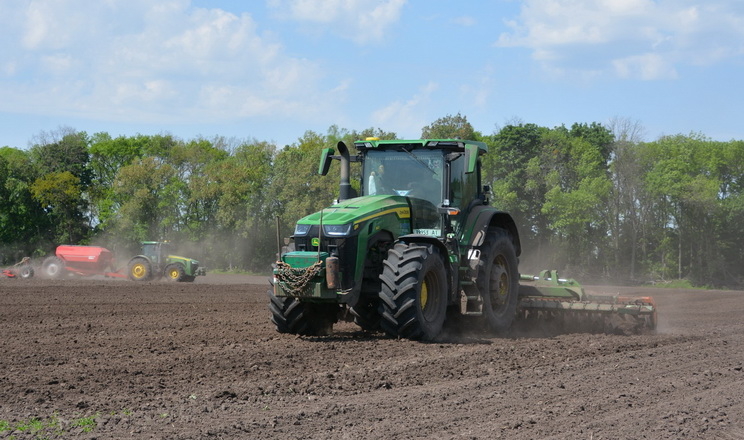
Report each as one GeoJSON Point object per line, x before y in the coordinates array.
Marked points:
{"type": "Point", "coordinates": [116, 359]}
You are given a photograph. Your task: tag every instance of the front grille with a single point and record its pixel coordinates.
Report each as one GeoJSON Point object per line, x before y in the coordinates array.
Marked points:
{"type": "Point", "coordinates": [343, 248]}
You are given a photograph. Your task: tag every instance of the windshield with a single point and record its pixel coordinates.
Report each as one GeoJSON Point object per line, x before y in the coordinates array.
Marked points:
{"type": "Point", "coordinates": [417, 173]}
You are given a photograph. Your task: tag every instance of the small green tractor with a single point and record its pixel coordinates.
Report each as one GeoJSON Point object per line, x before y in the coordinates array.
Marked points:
{"type": "Point", "coordinates": [156, 262]}
{"type": "Point", "coordinates": [419, 244]}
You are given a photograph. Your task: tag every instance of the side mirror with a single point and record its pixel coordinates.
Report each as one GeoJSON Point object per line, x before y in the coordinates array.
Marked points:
{"type": "Point", "coordinates": [471, 158]}
{"type": "Point", "coordinates": [326, 157]}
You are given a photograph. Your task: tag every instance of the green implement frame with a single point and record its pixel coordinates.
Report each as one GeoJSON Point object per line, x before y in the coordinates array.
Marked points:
{"type": "Point", "coordinates": [549, 293]}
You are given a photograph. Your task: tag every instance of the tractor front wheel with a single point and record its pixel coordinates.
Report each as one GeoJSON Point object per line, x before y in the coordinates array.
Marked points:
{"type": "Point", "coordinates": [140, 269]}
{"type": "Point", "coordinates": [175, 272]}
{"type": "Point", "coordinates": [290, 315]}
{"type": "Point", "coordinates": [498, 281]}
{"type": "Point", "coordinates": [413, 298]}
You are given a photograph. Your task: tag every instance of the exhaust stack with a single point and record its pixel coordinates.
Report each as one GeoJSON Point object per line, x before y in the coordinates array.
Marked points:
{"type": "Point", "coordinates": [345, 186]}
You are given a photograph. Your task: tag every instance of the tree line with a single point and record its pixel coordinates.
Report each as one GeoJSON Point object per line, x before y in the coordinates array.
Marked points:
{"type": "Point", "coordinates": [592, 200]}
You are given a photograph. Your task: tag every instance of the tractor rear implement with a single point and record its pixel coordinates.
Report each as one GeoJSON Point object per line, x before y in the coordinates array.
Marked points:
{"type": "Point", "coordinates": [153, 263]}
{"type": "Point", "coordinates": [547, 296]}
{"type": "Point", "coordinates": [22, 269]}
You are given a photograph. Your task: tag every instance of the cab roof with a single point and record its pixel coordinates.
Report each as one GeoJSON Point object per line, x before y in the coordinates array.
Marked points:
{"type": "Point", "coordinates": [432, 144]}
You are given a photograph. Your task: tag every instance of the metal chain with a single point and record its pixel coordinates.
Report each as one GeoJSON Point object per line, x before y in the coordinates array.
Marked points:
{"type": "Point", "coordinates": [295, 281]}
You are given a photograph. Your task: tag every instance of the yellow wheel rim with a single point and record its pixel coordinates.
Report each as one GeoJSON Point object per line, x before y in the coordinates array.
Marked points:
{"type": "Point", "coordinates": [173, 273]}
{"type": "Point", "coordinates": [424, 295]}
{"type": "Point", "coordinates": [139, 270]}
{"type": "Point", "coordinates": [500, 283]}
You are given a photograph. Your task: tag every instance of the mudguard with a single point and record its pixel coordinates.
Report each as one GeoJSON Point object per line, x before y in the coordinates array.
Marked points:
{"type": "Point", "coordinates": [479, 220]}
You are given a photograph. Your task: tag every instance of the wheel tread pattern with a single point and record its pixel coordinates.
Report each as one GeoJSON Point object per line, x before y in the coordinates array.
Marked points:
{"type": "Point", "coordinates": [402, 273]}
{"type": "Point", "coordinates": [293, 316]}
{"type": "Point", "coordinates": [498, 243]}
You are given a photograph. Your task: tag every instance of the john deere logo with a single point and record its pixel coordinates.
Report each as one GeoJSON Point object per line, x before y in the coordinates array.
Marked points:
{"type": "Point", "coordinates": [315, 241]}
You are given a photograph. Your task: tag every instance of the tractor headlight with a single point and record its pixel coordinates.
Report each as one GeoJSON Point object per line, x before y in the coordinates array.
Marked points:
{"type": "Point", "coordinates": [336, 230]}
{"type": "Point", "coordinates": [302, 229]}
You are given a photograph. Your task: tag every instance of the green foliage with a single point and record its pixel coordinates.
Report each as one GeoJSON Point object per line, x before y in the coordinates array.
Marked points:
{"type": "Point", "coordinates": [554, 183]}
{"type": "Point", "coordinates": [450, 127]}
{"type": "Point", "coordinates": [21, 217]}
{"type": "Point", "coordinates": [586, 199]}
{"type": "Point", "coordinates": [146, 193]}
{"type": "Point", "coordinates": [297, 189]}
{"type": "Point", "coordinates": [54, 426]}
{"type": "Point", "coordinates": [108, 155]}
{"type": "Point", "coordinates": [69, 154]}
{"type": "Point", "coordinates": [675, 284]}
{"type": "Point", "coordinates": [60, 194]}
{"type": "Point", "coordinates": [514, 170]}
{"type": "Point", "coordinates": [88, 424]}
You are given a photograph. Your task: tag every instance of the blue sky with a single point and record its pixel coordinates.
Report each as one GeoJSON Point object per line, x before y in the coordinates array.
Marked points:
{"type": "Point", "coordinates": [270, 70]}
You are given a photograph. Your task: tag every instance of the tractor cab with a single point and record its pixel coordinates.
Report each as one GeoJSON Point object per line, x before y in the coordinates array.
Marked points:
{"type": "Point", "coordinates": [156, 251]}
{"type": "Point", "coordinates": [439, 177]}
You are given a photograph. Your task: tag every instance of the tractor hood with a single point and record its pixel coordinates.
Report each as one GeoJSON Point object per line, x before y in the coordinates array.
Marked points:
{"type": "Point", "coordinates": [352, 212]}
{"type": "Point", "coordinates": [183, 259]}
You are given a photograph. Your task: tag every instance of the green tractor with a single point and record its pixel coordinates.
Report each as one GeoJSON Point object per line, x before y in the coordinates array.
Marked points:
{"type": "Point", "coordinates": [419, 244]}
{"type": "Point", "coordinates": [155, 262]}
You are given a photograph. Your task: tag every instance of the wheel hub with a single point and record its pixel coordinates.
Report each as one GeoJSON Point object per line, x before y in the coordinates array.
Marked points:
{"type": "Point", "coordinates": [499, 285]}
{"type": "Point", "coordinates": [138, 270]}
{"type": "Point", "coordinates": [424, 295]}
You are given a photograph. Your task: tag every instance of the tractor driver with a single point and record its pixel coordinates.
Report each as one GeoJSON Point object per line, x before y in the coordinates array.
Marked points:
{"type": "Point", "coordinates": [375, 181]}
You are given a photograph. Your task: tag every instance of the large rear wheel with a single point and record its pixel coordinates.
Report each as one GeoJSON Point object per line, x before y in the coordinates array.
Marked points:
{"type": "Point", "coordinates": [413, 298]}
{"type": "Point", "coordinates": [53, 267]}
{"type": "Point", "coordinates": [140, 269]}
{"type": "Point", "coordinates": [498, 281]}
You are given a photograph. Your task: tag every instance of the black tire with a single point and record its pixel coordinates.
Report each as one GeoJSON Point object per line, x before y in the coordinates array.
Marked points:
{"type": "Point", "coordinates": [26, 271]}
{"type": "Point", "coordinates": [367, 314]}
{"type": "Point", "coordinates": [366, 311]}
{"type": "Point", "coordinates": [293, 316]}
{"type": "Point", "coordinates": [139, 269]}
{"type": "Point", "coordinates": [175, 273]}
{"type": "Point", "coordinates": [413, 298]}
{"type": "Point", "coordinates": [498, 281]}
{"type": "Point", "coordinates": [53, 267]}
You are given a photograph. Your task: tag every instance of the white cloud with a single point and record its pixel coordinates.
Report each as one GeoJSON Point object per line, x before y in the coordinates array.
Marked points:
{"type": "Point", "coordinates": [477, 93]}
{"type": "Point", "coordinates": [407, 118]}
{"type": "Point", "coordinates": [144, 61]}
{"type": "Point", "coordinates": [57, 63]}
{"type": "Point", "coordinates": [465, 21]}
{"type": "Point", "coordinates": [362, 21]}
{"type": "Point", "coordinates": [641, 39]}
{"type": "Point", "coordinates": [36, 29]}
{"type": "Point", "coordinates": [646, 67]}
